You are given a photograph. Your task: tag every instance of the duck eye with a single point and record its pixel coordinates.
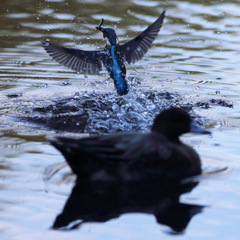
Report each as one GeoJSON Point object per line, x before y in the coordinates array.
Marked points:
{"type": "Point", "coordinates": [105, 34]}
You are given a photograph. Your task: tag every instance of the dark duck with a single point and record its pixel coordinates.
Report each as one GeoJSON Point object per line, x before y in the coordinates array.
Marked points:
{"type": "Point", "coordinates": [113, 56]}
{"type": "Point", "coordinates": [136, 156]}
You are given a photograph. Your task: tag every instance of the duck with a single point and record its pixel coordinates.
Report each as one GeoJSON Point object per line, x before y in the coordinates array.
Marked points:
{"type": "Point", "coordinates": [113, 56]}
{"type": "Point", "coordinates": [123, 157]}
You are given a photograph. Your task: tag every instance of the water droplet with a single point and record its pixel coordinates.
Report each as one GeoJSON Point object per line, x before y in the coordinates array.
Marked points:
{"type": "Point", "coordinates": [115, 107]}
{"type": "Point", "coordinates": [88, 37]}
{"type": "Point", "coordinates": [45, 85]}
{"type": "Point", "coordinates": [218, 92]}
{"type": "Point", "coordinates": [197, 87]}
{"type": "Point", "coordinates": [76, 95]}
{"type": "Point", "coordinates": [180, 39]}
{"type": "Point", "coordinates": [65, 83]}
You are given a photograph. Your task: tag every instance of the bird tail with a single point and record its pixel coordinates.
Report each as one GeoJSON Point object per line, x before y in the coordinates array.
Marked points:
{"type": "Point", "coordinates": [82, 162]}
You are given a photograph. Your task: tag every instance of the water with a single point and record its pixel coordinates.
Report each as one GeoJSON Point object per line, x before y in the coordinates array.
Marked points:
{"type": "Point", "coordinates": [195, 59]}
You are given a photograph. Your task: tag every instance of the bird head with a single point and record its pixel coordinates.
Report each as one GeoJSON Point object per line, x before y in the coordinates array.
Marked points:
{"type": "Point", "coordinates": [175, 121]}
{"type": "Point", "coordinates": [108, 33]}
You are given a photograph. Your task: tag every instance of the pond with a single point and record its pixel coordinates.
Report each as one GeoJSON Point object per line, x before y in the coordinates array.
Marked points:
{"type": "Point", "coordinates": [193, 63]}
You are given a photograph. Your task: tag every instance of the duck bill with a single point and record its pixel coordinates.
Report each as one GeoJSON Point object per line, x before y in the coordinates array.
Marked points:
{"type": "Point", "coordinates": [196, 129]}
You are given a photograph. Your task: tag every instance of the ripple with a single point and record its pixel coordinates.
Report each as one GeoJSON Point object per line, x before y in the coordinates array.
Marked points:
{"type": "Point", "coordinates": [146, 3]}
{"type": "Point", "coordinates": [212, 167]}
{"type": "Point", "coordinates": [19, 15]}
{"type": "Point", "coordinates": [63, 16]}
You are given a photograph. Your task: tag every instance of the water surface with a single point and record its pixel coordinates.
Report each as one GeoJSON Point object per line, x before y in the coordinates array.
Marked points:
{"type": "Point", "coordinates": [194, 59]}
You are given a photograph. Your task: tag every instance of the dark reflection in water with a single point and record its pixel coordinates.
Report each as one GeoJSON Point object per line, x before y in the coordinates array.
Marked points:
{"type": "Point", "coordinates": [101, 202]}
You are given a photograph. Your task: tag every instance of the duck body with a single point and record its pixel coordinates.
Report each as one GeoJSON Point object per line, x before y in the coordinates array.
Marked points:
{"type": "Point", "coordinates": [113, 56]}
{"type": "Point", "coordinates": [127, 157]}
{"type": "Point", "coordinates": [133, 157]}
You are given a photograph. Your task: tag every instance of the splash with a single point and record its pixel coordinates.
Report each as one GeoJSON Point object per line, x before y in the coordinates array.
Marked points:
{"type": "Point", "coordinates": [102, 113]}
{"type": "Point", "coordinates": [99, 113]}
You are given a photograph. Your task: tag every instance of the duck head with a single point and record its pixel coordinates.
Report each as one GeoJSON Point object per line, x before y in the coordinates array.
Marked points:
{"type": "Point", "coordinates": [108, 33]}
{"type": "Point", "coordinates": [175, 121]}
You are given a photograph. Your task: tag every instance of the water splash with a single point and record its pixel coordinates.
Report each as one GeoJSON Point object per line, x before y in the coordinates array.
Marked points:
{"type": "Point", "coordinates": [96, 113]}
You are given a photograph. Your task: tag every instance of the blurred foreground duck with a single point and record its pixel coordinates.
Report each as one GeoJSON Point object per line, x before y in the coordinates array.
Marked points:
{"type": "Point", "coordinates": [136, 156]}
{"type": "Point", "coordinates": [113, 56]}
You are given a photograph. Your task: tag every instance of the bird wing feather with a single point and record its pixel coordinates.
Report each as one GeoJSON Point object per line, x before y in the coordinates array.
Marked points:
{"type": "Point", "coordinates": [86, 62]}
{"type": "Point", "coordinates": [135, 49]}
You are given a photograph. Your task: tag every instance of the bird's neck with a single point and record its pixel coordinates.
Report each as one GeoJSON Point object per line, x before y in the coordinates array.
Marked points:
{"type": "Point", "coordinates": [169, 136]}
{"type": "Point", "coordinates": [174, 139]}
{"type": "Point", "coordinates": [110, 43]}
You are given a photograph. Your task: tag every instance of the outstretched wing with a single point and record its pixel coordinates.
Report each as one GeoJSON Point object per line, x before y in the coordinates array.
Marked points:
{"type": "Point", "coordinates": [135, 49]}
{"type": "Point", "coordinates": [86, 62]}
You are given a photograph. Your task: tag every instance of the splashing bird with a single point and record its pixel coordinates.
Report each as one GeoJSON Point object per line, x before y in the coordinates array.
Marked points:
{"type": "Point", "coordinates": [113, 56]}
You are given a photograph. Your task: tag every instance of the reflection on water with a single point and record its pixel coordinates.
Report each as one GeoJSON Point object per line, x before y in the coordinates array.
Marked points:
{"type": "Point", "coordinates": [195, 59]}
{"type": "Point", "coordinates": [100, 202]}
